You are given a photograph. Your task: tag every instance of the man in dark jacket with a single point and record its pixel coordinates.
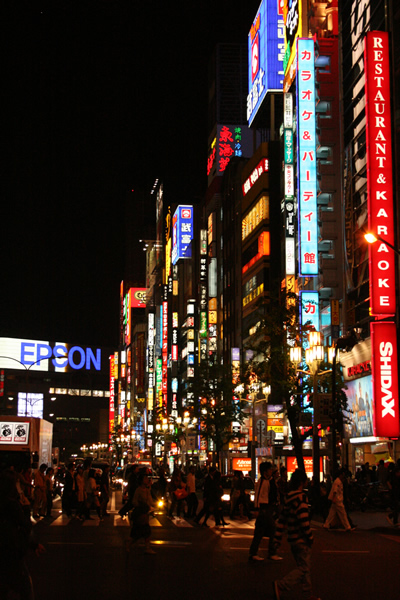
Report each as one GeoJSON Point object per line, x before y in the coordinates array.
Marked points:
{"type": "Point", "coordinates": [295, 518]}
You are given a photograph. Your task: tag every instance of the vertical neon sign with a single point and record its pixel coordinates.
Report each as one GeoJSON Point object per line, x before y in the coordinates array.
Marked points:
{"type": "Point", "coordinates": [307, 171]}
{"type": "Point", "coordinates": [379, 173]}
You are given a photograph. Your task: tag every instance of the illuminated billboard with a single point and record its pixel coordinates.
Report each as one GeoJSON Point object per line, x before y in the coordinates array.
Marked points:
{"type": "Point", "coordinates": [30, 405]}
{"type": "Point", "coordinates": [182, 233]}
{"type": "Point", "coordinates": [265, 52]}
{"type": "Point", "coordinates": [385, 378]}
{"type": "Point", "coordinates": [309, 302]}
{"type": "Point", "coordinates": [379, 173]}
{"type": "Point", "coordinates": [38, 355]}
{"type": "Point", "coordinates": [306, 160]}
{"type": "Point", "coordinates": [14, 432]}
{"type": "Point", "coordinates": [138, 297]}
{"type": "Point", "coordinates": [360, 419]}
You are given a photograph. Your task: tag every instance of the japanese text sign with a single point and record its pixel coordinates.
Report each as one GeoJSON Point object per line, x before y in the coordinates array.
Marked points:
{"type": "Point", "coordinates": [306, 160]}
{"type": "Point", "coordinates": [182, 233]}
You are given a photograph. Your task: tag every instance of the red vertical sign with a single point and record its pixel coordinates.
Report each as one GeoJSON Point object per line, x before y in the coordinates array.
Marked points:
{"type": "Point", "coordinates": [379, 173]}
{"type": "Point", "coordinates": [385, 378]}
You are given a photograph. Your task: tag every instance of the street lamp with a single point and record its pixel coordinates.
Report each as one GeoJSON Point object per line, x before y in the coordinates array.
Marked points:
{"type": "Point", "coordinates": [314, 355]}
{"type": "Point", "coordinates": [346, 343]}
{"type": "Point", "coordinates": [371, 238]}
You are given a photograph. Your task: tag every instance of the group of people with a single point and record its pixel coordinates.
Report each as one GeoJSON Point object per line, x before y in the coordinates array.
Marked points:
{"type": "Point", "coordinates": [86, 489]}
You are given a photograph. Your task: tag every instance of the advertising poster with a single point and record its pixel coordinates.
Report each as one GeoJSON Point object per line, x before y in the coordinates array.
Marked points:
{"type": "Point", "coordinates": [361, 411]}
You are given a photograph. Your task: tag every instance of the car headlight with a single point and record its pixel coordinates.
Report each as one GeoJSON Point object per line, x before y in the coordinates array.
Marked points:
{"type": "Point", "coordinates": [225, 497]}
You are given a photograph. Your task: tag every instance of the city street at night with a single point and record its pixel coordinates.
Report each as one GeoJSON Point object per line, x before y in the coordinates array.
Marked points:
{"type": "Point", "coordinates": [88, 560]}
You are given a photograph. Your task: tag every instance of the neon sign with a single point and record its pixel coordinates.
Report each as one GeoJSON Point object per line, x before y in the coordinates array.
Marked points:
{"type": "Point", "coordinates": [229, 144]}
{"type": "Point", "coordinates": [307, 170]}
{"type": "Point", "coordinates": [262, 167]}
{"type": "Point", "coordinates": [265, 55]}
{"type": "Point", "coordinates": [77, 357]}
{"type": "Point", "coordinates": [385, 378]}
{"type": "Point", "coordinates": [182, 233]}
{"type": "Point", "coordinates": [379, 173]}
{"type": "Point", "coordinates": [309, 302]}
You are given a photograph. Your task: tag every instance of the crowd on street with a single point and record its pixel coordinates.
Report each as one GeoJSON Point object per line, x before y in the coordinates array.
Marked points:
{"type": "Point", "coordinates": [279, 504]}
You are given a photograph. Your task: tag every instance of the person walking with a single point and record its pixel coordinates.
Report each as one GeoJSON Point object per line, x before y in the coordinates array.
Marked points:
{"type": "Point", "coordinates": [209, 497]}
{"type": "Point", "coordinates": [49, 481]}
{"type": "Point", "coordinates": [142, 506]}
{"type": "Point", "coordinates": [295, 518]}
{"type": "Point", "coordinates": [132, 485]}
{"type": "Point", "coordinates": [15, 541]}
{"type": "Point", "coordinates": [80, 493]}
{"type": "Point", "coordinates": [191, 501]}
{"type": "Point", "coordinates": [104, 490]}
{"type": "Point", "coordinates": [265, 503]}
{"type": "Point", "coordinates": [39, 492]}
{"type": "Point", "coordinates": [393, 484]}
{"type": "Point", "coordinates": [337, 509]}
{"type": "Point", "coordinates": [218, 511]}
{"type": "Point", "coordinates": [69, 490]}
{"type": "Point", "coordinates": [92, 495]}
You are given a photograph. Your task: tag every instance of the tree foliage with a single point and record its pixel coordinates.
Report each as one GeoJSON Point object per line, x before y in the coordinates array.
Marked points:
{"type": "Point", "coordinates": [218, 406]}
{"type": "Point", "coordinates": [278, 330]}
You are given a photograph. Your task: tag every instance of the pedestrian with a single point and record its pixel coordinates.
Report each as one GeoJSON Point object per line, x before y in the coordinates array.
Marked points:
{"type": "Point", "coordinates": [209, 497]}
{"type": "Point", "coordinates": [265, 503]}
{"type": "Point", "coordinates": [81, 511]}
{"type": "Point", "coordinates": [295, 519]}
{"type": "Point", "coordinates": [382, 474]}
{"type": "Point", "coordinates": [393, 483]}
{"type": "Point", "coordinates": [337, 509]}
{"type": "Point", "coordinates": [131, 488]}
{"type": "Point", "coordinates": [241, 499]}
{"type": "Point", "coordinates": [104, 490]}
{"type": "Point", "coordinates": [69, 495]}
{"type": "Point", "coordinates": [39, 492]}
{"type": "Point", "coordinates": [49, 481]}
{"type": "Point", "coordinates": [92, 495]}
{"type": "Point", "coordinates": [177, 493]}
{"type": "Point", "coordinates": [218, 512]}
{"type": "Point", "coordinates": [15, 542]}
{"type": "Point", "coordinates": [191, 501]}
{"type": "Point", "coordinates": [142, 506]}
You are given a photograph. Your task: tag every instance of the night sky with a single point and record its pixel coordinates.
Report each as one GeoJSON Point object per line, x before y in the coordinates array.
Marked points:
{"type": "Point", "coordinates": [103, 97]}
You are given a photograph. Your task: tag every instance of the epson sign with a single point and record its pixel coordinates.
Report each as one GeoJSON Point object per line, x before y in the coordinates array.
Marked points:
{"type": "Point", "coordinates": [76, 357]}
{"type": "Point", "coordinates": [42, 355]}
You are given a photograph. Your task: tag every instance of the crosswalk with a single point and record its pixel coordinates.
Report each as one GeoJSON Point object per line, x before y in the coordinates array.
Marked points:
{"type": "Point", "coordinates": [63, 521]}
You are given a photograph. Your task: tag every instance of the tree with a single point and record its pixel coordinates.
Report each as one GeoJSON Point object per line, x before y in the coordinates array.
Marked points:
{"type": "Point", "coordinates": [217, 407]}
{"type": "Point", "coordinates": [278, 330]}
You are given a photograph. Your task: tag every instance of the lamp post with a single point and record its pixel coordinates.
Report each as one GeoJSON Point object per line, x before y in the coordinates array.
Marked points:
{"type": "Point", "coordinates": [343, 343]}
{"type": "Point", "coordinates": [371, 238]}
{"type": "Point", "coordinates": [314, 355]}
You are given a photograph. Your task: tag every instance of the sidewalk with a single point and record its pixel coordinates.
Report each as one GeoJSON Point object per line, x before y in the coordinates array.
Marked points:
{"type": "Point", "coordinates": [365, 520]}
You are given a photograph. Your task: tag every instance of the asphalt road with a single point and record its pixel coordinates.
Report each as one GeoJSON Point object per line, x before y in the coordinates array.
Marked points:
{"type": "Point", "coordinates": [88, 560]}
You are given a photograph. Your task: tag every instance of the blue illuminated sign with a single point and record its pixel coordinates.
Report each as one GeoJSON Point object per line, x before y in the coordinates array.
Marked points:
{"type": "Point", "coordinates": [266, 52]}
{"type": "Point", "coordinates": [309, 303]}
{"type": "Point", "coordinates": [76, 357]}
{"type": "Point", "coordinates": [182, 233]}
{"type": "Point", "coordinates": [306, 160]}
